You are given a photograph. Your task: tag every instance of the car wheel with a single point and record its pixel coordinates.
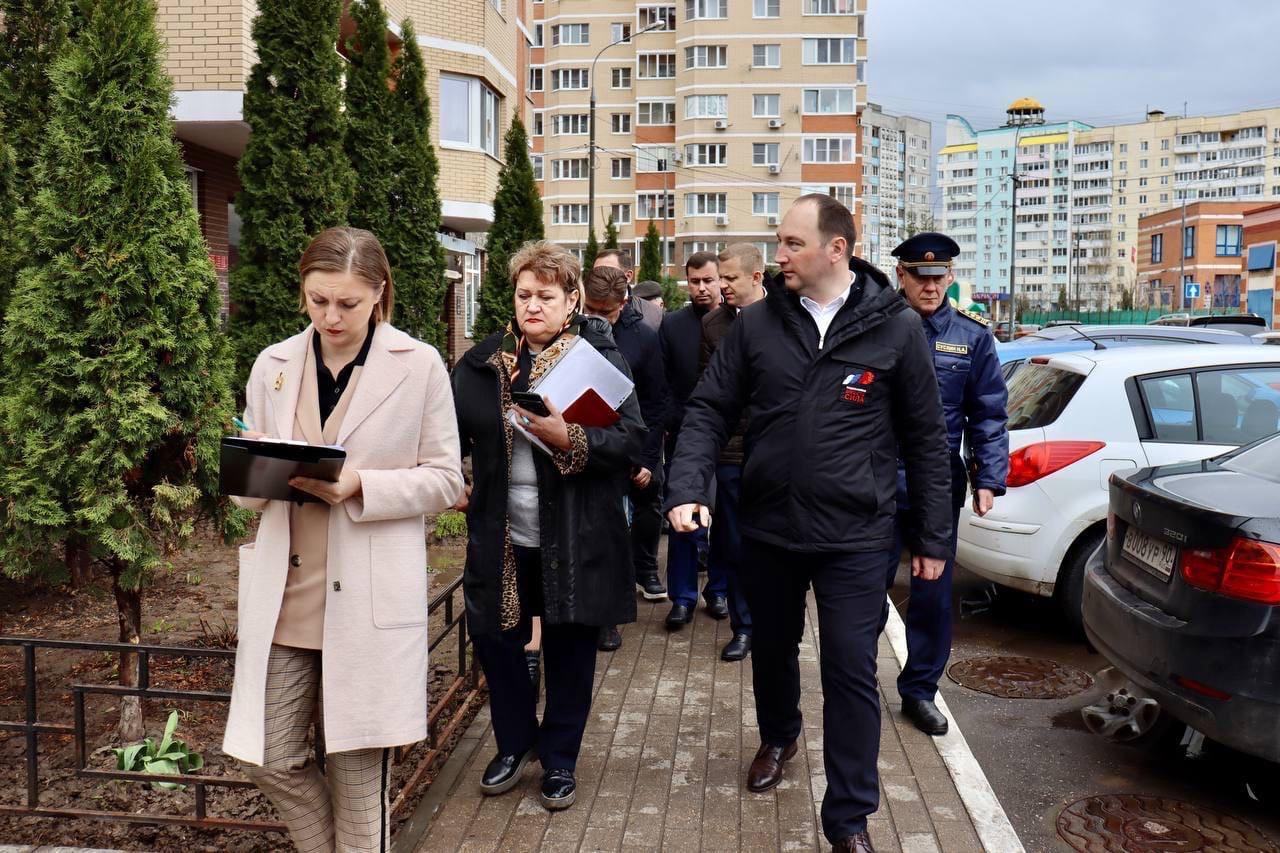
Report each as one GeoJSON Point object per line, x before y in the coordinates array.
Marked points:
{"type": "Point", "coordinates": [1126, 715]}
{"type": "Point", "coordinates": [1068, 590]}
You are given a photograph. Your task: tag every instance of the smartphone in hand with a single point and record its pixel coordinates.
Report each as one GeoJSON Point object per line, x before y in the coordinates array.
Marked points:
{"type": "Point", "coordinates": [530, 402]}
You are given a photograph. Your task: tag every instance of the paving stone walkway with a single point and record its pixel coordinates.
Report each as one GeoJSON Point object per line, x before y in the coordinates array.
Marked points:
{"type": "Point", "coordinates": [671, 734]}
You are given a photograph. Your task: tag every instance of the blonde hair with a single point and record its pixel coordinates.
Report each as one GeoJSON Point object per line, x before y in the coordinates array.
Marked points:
{"type": "Point", "coordinates": [349, 250]}
{"type": "Point", "coordinates": [747, 255]}
{"type": "Point", "coordinates": [550, 264]}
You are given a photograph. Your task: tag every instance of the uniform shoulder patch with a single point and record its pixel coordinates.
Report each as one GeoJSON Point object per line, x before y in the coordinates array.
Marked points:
{"type": "Point", "coordinates": [975, 316]}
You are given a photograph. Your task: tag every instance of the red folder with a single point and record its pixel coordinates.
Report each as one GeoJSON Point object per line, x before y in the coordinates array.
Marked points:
{"type": "Point", "coordinates": [590, 410]}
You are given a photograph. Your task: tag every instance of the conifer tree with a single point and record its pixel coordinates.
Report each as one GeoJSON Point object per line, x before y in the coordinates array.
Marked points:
{"type": "Point", "coordinates": [650, 255]}
{"type": "Point", "coordinates": [517, 219]}
{"type": "Point", "coordinates": [674, 297]}
{"type": "Point", "coordinates": [590, 251]}
{"type": "Point", "coordinates": [610, 234]}
{"type": "Point", "coordinates": [369, 146]}
{"type": "Point", "coordinates": [117, 389]}
{"type": "Point", "coordinates": [412, 241]}
{"type": "Point", "coordinates": [9, 241]}
{"type": "Point", "coordinates": [294, 175]}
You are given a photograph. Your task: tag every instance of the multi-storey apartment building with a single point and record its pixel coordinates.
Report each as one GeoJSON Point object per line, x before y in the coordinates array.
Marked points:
{"type": "Point", "coordinates": [707, 126]}
{"type": "Point", "coordinates": [896, 161]}
{"type": "Point", "coordinates": [1192, 258]}
{"type": "Point", "coordinates": [1114, 175]}
{"type": "Point", "coordinates": [475, 51]}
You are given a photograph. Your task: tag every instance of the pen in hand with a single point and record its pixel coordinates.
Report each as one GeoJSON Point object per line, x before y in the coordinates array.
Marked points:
{"type": "Point", "coordinates": [240, 425]}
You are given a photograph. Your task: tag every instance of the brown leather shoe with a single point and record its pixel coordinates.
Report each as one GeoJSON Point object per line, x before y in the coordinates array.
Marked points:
{"type": "Point", "coordinates": [860, 843]}
{"type": "Point", "coordinates": [766, 768]}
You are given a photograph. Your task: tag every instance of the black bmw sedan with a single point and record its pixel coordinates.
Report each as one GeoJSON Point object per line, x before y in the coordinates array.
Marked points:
{"type": "Point", "coordinates": [1187, 602]}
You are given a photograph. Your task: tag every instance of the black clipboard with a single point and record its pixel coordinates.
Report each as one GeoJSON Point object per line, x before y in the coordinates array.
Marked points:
{"type": "Point", "coordinates": [253, 468]}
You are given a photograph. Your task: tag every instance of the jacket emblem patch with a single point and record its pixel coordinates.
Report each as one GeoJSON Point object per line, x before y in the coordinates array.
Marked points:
{"type": "Point", "coordinates": [952, 349]}
{"type": "Point", "coordinates": [855, 386]}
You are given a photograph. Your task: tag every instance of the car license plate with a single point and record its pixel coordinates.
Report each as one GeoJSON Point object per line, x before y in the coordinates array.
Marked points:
{"type": "Point", "coordinates": [1150, 553]}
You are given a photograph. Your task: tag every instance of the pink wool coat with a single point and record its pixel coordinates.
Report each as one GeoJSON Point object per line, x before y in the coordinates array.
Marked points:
{"type": "Point", "coordinates": [401, 435]}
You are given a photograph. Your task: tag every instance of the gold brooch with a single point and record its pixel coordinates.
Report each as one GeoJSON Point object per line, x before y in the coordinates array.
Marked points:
{"type": "Point", "coordinates": [280, 381]}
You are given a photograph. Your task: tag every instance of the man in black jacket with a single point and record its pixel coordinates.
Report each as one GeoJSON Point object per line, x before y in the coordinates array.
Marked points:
{"type": "Point", "coordinates": [834, 376]}
{"type": "Point", "coordinates": [681, 336]}
{"type": "Point", "coordinates": [606, 297]}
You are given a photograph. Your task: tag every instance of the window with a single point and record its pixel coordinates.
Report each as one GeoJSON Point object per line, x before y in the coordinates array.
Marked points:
{"type": "Point", "coordinates": [701, 9]}
{"type": "Point", "coordinates": [706, 106]}
{"type": "Point", "coordinates": [569, 170]}
{"type": "Point", "coordinates": [621, 214]}
{"type": "Point", "coordinates": [842, 193]}
{"type": "Point", "coordinates": [839, 51]}
{"type": "Point", "coordinates": [705, 204]}
{"type": "Point", "coordinates": [1189, 241]}
{"type": "Point", "coordinates": [571, 34]}
{"type": "Point", "coordinates": [568, 214]}
{"type": "Point", "coordinates": [650, 15]}
{"type": "Point", "coordinates": [620, 167]}
{"type": "Point", "coordinates": [620, 78]}
{"type": "Point", "coordinates": [764, 154]}
{"type": "Point", "coordinates": [569, 78]}
{"type": "Point", "coordinates": [653, 66]}
{"type": "Point", "coordinates": [469, 111]}
{"type": "Point", "coordinates": [831, 101]}
{"type": "Point", "coordinates": [765, 106]}
{"type": "Point", "coordinates": [537, 36]}
{"type": "Point", "coordinates": [656, 112]}
{"type": "Point", "coordinates": [573, 124]}
{"type": "Point", "coordinates": [620, 122]}
{"type": "Point", "coordinates": [537, 124]}
{"type": "Point", "coordinates": [764, 204]}
{"type": "Point", "coordinates": [536, 161]}
{"type": "Point", "coordinates": [655, 158]}
{"type": "Point", "coordinates": [828, 150]}
{"type": "Point", "coordinates": [470, 292]}
{"type": "Point", "coordinates": [1157, 248]}
{"type": "Point", "coordinates": [1143, 145]}
{"type": "Point", "coordinates": [1229, 240]}
{"type": "Point", "coordinates": [1171, 407]}
{"type": "Point", "coordinates": [829, 7]}
{"type": "Point", "coordinates": [619, 33]}
{"type": "Point", "coordinates": [1038, 393]}
{"type": "Point", "coordinates": [706, 56]}
{"type": "Point", "coordinates": [535, 78]}
{"type": "Point", "coordinates": [706, 154]}
{"type": "Point", "coordinates": [766, 56]}
{"type": "Point", "coordinates": [655, 205]}
{"type": "Point", "coordinates": [765, 8]}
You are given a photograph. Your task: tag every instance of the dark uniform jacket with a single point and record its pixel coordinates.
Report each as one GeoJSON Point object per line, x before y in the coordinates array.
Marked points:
{"type": "Point", "coordinates": [974, 399]}
{"type": "Point", "coordinates": [587, 575]}
{"type": "Point", "coordinates": [715, 325]}
{"type": "Point", "coordinates": [823, 425]}
{"type": "Point", "coordinates": [681, 336]}
{"type": "Point", "coordinates": [639, 345]}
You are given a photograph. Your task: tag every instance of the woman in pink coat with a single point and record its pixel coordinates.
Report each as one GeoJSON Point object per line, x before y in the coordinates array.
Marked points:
{"type": "Point", "coordinates": [333, 594]}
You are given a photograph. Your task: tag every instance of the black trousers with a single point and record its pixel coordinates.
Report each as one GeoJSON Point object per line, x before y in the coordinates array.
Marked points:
{"type": "Point", "coordinates": [646, 525]}
{"type": "Point", "coordinates": [569, 664]}
{"type": "Point", "coordinates": [849, 591]}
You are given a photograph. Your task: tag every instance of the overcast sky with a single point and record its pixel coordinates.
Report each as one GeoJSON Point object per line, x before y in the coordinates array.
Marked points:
{"type": "Point", "coordinates": [1098, 61]}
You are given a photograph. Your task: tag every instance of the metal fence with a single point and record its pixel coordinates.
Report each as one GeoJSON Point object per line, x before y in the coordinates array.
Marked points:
{"type": "Point", "coordinates": [446, 714]}
{"type": "Point", "coordinates": [1116, 317]}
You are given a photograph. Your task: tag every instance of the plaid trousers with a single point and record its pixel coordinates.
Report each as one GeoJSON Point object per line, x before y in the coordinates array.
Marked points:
{"type": "Point", "coordinates": [343, 809]}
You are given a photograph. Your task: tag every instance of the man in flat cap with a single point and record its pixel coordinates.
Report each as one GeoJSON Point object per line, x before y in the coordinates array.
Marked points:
{"type": "Point", "coordinates": [973, 402]}
{"type": "Point", "coordinates": [649, 290]}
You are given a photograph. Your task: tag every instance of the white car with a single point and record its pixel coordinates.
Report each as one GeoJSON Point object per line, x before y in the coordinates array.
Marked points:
{"type": "Point", "coordinates": [1074, 418]}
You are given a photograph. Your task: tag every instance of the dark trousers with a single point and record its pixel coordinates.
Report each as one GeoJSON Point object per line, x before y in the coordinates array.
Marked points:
{"type": "Point", "coordinates": [849, 591]}
{"type": "Point", "coordinates": [569, 661]}
{"type": "Point", "coordinates": [928, 619]}
{"type": "Point", "coordinates": [646, 525]}
{"type": "Point", "coordinates": [683, 550]}
{"type": "Point", "coordinates": [725, 558]}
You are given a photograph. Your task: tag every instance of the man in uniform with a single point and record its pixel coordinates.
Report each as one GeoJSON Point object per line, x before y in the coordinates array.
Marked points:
{"type": "Point", "coordinates": [973, 401]}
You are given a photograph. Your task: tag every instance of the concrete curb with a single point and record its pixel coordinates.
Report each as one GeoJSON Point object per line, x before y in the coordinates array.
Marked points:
{"type": "Point", "coordinates": [989, 819]}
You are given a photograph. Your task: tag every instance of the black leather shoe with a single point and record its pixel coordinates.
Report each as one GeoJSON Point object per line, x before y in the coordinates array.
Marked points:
{"type": "Point", "coordinates": [610, 639]}
{"type": "Point", "coordinates": [559, 790]}
{"type": "Point", "coordinates": [679, 616]}
{"type": "Point", "coordinates": [737, 648]}
{"type": "Point", "coordinates": [925, 715]}
{"type": "Point", "coordinates": [503, 773]}
{"type": "Point", "coordinates": [533, 659]}
{"type": "Point", "coordinates": [765, 771]}
{"type": "Point", "coordinates": [651, 588]}
{"type": "Point", "coordinates": [718, 607]}
{"type": "Point", "coordinates": [860, 843]}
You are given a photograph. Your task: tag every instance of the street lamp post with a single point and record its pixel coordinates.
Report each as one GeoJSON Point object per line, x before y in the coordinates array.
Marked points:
{"type": "Point", "coordinates": [591, 126]}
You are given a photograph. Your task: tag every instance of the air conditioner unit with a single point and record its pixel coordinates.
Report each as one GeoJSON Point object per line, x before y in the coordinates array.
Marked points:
{"type": "Point", "coordinates": [774, 168]}
{"type": "Point", "coordinates": [721, 124]}
{"type": "Point", "coordinates": [775, 123]}
{"type": "Point", "coordinates": [722, 219]}
{"type": "Point", "coordinates": [676, 157]}
{"type": "Point", "coordinates": [771, 219]}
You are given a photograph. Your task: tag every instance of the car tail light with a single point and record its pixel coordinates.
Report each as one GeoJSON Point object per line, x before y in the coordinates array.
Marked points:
{"type": "Point", "coordinates": [1248, 569]}
{"type": "Point", "coordinates": [1040, 359]}
{"type": "Point", "coordinates": [1201, 688]}
{"type": "Point", "coordinates": [1030, 463]}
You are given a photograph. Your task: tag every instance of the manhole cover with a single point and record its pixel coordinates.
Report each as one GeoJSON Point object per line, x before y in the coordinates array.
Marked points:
{"type": "Point", "coordinates": [1133, 824]}
{"type": "Point", "coordinates": [1020, 678]}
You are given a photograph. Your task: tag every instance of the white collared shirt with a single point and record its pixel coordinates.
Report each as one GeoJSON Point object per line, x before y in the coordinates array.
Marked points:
{"type": "Point", "coordinates": [823, 314]}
